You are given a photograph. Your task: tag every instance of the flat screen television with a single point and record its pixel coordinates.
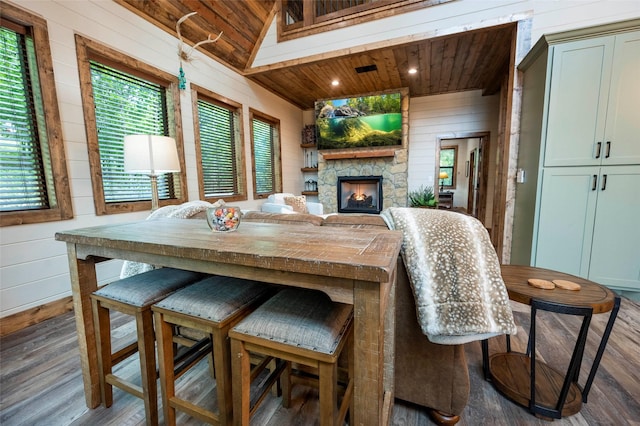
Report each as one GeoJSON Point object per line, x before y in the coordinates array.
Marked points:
{"type": "Point", "coordinates": [357, 122]}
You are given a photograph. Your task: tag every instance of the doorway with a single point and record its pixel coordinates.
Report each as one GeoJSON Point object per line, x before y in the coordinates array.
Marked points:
{"type": "Point", "coordinates": [472, 191]}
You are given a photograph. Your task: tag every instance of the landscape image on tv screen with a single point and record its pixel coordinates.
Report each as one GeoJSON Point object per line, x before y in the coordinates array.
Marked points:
{"type": "Point", "coordinates": [357, 122]}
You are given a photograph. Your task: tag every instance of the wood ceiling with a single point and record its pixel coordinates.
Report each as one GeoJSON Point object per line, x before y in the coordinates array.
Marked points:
{"type": "Point", "coordinates": [471, 60]}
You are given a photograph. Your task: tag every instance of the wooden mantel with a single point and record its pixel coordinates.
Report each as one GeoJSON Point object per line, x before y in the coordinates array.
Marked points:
{"type": "Point", "coordinates": [351, 154]}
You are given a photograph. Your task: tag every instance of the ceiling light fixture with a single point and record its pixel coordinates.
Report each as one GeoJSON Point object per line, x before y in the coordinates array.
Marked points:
{"type": "Point", "coordinates": [412, 70]}
{"type": "Point", "coordinates": [335, 83]}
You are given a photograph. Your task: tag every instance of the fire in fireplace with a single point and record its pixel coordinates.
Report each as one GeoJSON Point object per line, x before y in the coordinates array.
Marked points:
{"type": "Point", "coordinates": [359, 194]}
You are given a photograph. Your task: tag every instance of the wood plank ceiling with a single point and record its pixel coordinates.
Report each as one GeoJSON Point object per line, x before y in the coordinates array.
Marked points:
{"type": "Point", "coordinates": [471, 60]}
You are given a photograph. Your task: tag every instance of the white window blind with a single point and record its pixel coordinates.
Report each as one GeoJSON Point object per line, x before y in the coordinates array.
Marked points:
{"type": "Point", "coordinates": [263, 150]}
{"type": "Point", "coordinates": [126, 105]}
{"type": "Point", "coordinates": [24, 179]}
{"type": "Point", "coordinates": [218, 128]}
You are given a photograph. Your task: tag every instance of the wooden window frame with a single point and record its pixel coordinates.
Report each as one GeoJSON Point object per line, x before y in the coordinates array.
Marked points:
{"type": "Point", "coordinates": [61, 208]}
{"type": "Point", "coordinates": [91, 50]}
{"type": "Point", "coordinates": [455, 166]}
{"type": "Point", "coordinates": [277, 159]}
{"type": "Point", "coordinates": [200, 93]}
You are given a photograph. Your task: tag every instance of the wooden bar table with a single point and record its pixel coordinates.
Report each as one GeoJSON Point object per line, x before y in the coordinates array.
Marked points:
{"type": "Point", "coordinates": [523, 379]}
{"type": "Point", "coordinates": [355, 266]}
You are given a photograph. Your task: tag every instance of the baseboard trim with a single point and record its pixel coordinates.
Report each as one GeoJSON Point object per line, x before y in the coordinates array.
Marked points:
{"type": "Point", "coordinates": [12, 323]}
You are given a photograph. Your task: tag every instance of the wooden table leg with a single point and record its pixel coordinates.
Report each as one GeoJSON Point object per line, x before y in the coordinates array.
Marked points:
{"type": "Point", "coordinates": [370, 396]}
{"type": "Point", "coordinates": [83, 283]}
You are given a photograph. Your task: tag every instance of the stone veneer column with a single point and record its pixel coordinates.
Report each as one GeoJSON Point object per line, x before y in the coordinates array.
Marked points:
{"type": "Point", "coordinates": [392, 169]}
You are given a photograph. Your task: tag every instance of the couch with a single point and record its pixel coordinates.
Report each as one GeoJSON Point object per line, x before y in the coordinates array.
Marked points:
{"type": "Point", "coordinates": [428, 374]}
{"type": "Point", "coordinates": [276, 203]}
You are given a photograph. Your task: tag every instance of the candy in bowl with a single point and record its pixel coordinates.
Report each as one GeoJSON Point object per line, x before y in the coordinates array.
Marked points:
{"type": "Point", "coordinates": [222, 219]}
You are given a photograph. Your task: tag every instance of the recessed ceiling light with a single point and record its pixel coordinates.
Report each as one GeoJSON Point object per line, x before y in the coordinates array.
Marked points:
{"type": "Point", "coordinates": [335, 83]}
{"type": "Point", "coordinates": [412, 70]}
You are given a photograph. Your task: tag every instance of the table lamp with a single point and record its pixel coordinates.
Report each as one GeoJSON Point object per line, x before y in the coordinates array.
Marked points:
{"type": "Point", "coordinates": [151, 155]}
{"type": "Point", "coordinates": [443, 176]}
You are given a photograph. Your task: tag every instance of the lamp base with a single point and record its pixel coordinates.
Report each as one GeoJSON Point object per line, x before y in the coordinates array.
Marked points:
{"type": "Point", "coordinates": [154, 192]}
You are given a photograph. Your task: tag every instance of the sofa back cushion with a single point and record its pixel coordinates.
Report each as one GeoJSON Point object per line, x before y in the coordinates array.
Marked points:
{"type": "Point", "coordinates": [287, 219]}
{"type": "Point", "coordinates": [355, 221]}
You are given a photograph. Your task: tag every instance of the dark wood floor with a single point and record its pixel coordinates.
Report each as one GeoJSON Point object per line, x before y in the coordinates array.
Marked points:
{"type": "Point", "coordinates": [40, 380]}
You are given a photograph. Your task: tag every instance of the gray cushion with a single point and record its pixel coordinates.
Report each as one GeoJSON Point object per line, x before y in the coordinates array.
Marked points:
{"type": "Point", "coordinates": [299, 317]}
{"type": "Point", "coordinates": [216, 298]}
{"type": "Point", "coordinates": [148, 287]}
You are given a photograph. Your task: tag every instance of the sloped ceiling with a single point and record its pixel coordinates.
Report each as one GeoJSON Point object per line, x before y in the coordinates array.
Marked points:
{"type": "Point", "coordinates": [472, 60]}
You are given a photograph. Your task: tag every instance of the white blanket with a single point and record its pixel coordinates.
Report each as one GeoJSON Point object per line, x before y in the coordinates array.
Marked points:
{"type": "Point", "coordinates": [454, 273]}
{"type": "Point", "coordinates": [181, 211]}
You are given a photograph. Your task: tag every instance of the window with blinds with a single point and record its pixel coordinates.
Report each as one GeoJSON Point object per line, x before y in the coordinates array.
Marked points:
{"type": "Point", "coordinates": [265, 150]}
{"type": "Point", "coordinates": [124, 96]}
{"type": "Point", "coordinates": [220, 150]}
{"type": "Point", "coordinates": [127, 105]}
{"type": "Point", "coordinates": [33, 175]}
{"type": "Point", "coordinates": [23, 184]}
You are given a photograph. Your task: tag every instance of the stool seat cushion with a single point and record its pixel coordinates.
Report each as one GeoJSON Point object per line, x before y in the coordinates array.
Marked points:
{"type": "Point", "coordinates": [216, 298]}
{"type": "Point", "coordinates": [148, 287]}
{"type": "Point", "coordinates": [298, 317]}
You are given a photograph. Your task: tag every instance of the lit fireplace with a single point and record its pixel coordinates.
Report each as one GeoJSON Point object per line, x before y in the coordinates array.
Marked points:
{"type": "Point", "coordinates": [359, 194]}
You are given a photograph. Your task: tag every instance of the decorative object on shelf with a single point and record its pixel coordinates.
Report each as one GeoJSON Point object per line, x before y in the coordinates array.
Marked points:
{"type": "Point", "coordinates": [309, 134]}
{"type": "Point", "coordinates": [443, 176]}
{"type": "Point", "coordinates": [311, 185]}
{"type": "Point", "coordinates": [423, 197]}
{"type": "Point", "coordinates": [310, 159]}
{"type": "Point", "coordinates": [223, 218]}
{"type": "Point", "coordinates": [185, 55]}
{"type": "Point", "coordinates": [151, 155]}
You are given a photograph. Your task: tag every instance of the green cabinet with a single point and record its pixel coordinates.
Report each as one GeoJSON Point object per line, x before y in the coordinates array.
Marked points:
{"type": "Point", "coordinates": [594, 102]}
{"type": "Point", "coordinates": [589, 224]}
{"type": "Point", "coordinates": [579, 209]}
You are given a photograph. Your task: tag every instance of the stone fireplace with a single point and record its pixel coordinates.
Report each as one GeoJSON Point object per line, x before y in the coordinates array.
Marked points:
{"type": "Point", "coordinates": [392, 170]}
{"type": "Point", "coordinates": [359, 194]}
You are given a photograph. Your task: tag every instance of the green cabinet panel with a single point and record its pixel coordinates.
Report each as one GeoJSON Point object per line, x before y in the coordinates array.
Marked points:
{"type": "Point", "coordinates": [615, 250]}
{"type": "Point", "coordinates": [577, 102]}
{"type": "Point", "coordinates": [594, 102]}
{"type": "Point", "coordinates": [622, 130]}
{"type": "Point", "coordinates": [565, 224]}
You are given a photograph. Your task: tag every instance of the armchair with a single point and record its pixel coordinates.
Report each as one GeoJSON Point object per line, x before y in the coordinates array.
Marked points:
{"type": "Point", "coordinates": [275, 204]}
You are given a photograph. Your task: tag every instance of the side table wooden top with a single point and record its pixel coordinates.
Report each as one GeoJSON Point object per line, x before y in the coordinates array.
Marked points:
{"type": "Point", "coordinates": [515, 277]}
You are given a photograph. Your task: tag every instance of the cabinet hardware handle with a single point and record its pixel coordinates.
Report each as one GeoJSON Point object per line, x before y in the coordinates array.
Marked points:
{"type": "Point", "coordinates": [598, 149]}
{"type": "Point", "coordinates": [604, 182]}
{"type": "Point", "coordinates": [608, 152]}
{"type": "Point", "coordinates": [595, 183]}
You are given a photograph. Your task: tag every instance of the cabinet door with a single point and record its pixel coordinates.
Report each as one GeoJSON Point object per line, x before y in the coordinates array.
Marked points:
{"type": "Point", "coordinates": [615, 252]}
{"type": "Point", "coordinates": [577, 102]}
{"type": "Point", "coordinates": [565, 221]}
{"type": "Point", "coordinates": [622, 133]}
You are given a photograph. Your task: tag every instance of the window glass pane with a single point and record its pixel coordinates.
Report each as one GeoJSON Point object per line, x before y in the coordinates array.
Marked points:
{"type": "Point", "coordinates": [447, 165]}
{"type": "Point", "coordinates": [218, 126]}
{"type": "Point", "coordinates": [263, 155]}
{"type": "Point", "coordinates": [293, 11]}
{"type": "Point", "coordinates": [126, 105]}
{"type": "Point", "coordinates": [23, 183]}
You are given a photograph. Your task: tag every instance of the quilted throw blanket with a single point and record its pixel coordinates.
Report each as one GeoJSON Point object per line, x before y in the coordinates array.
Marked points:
{"type": "Point", "coordinates": [181, 211]}
{"type": "Point", "coordinates": [454, 273]}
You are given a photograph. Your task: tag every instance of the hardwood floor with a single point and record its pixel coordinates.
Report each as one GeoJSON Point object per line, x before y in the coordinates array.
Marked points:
{"type": "Point", "coordinates": [40, 380]}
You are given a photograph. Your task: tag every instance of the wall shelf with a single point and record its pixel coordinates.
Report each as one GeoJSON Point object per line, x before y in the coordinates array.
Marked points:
{"type": "Point", "coordinates": [309, 169]}
{"type": "Point", "coordinates": [310, 193]}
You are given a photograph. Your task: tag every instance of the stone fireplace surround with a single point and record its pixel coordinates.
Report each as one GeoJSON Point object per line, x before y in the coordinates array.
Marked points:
{"type": "Point", "coordinates": [393, 169]}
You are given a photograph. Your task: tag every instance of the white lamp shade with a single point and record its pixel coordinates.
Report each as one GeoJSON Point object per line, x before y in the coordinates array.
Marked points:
{"type": "Point", "coordinates": [150, 154]}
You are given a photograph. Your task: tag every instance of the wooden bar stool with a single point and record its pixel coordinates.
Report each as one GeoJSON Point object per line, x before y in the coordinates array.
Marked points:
{"type": "Point", "coordinates": [212, 306]}
{"type": "Point", "coordinates": [134, 296]}
{"type": "Point", "coordinates": [299, 326]}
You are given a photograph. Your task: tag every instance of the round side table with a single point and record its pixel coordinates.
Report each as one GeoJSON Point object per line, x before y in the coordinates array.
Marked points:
{"type": "Point", "coordinates": [533, 384]}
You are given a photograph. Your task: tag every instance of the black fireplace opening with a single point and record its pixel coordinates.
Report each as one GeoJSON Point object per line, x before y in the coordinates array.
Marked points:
{"type": "Point", "coordinates": [359, 194]}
